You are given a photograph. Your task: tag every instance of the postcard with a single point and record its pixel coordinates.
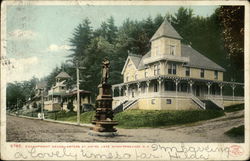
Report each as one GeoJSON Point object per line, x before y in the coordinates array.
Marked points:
{"type": "Point", "coordinates": [124, 80]}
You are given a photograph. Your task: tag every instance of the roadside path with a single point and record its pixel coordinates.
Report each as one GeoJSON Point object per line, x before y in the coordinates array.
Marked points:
{"type": "Point", "coordinates": [31, 130]}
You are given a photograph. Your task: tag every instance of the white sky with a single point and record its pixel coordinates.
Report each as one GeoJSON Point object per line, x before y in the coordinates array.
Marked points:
{"type": "Point", "coordinates": [38, 36]}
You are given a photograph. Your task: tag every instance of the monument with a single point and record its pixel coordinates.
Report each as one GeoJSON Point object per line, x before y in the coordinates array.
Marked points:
{"type": "Point", "coordinates": [103, 122]}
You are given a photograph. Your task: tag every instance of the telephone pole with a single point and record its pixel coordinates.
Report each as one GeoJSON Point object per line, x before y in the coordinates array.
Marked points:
{"type": "Point", "coordinates": [78, 90]}
{"type": "Point", "coordinates": [78, 94]}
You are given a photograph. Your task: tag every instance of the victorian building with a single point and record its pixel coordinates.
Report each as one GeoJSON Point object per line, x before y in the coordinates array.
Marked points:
{"type": "Point", "coordinates": [172, 76]}
{"type": "Point", "coordinates": [60, 96]}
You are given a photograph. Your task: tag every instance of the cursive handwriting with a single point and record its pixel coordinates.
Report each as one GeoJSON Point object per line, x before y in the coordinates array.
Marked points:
{"type": "Point", "coordinates": [59, 154]}
{"type": "Point", "coordinates": [189, 152]}
{"type": "Point", "coordinates": [156, 151]}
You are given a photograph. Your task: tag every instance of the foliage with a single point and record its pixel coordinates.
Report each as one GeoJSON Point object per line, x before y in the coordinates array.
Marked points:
{"type": "Point", "coordinates": [236, 131]}
{"type": "Point", "coordinates": [70, 106]}
{"type": "Point", "coordinates": [233, 108]}
{"type": "Point", "coordinates": [19, 92]}
{"type": "Point", "coordinates": [85, 117]}
{"type": "Point", "coordinates": [151, 118]}
{"type": "Point", "coordinates": [232, 20]}
{"type": "Point", "coordinates": [90, 46]}
{"type": "Point", "coordinates": [154, 118]}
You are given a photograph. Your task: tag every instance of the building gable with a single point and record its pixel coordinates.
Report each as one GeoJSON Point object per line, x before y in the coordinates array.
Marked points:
{"type": "Point", "coordinates": [129, 62]}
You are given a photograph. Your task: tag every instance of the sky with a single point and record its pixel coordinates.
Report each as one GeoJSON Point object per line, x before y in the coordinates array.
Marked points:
{"type": "Point", "coordinates": [38, 35]}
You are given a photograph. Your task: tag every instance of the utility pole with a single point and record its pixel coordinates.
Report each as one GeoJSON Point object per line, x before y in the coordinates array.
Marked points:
{"type": "Point", "coordinates": [78, 90]}
{"type": "Point", "coordinates": [78, 94]}
{"type": "Point", "coordinates": [42, 94]}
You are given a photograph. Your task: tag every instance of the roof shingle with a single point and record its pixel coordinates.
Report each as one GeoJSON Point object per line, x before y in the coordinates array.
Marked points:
{"type": "Point", "coordinates": [166, 30]}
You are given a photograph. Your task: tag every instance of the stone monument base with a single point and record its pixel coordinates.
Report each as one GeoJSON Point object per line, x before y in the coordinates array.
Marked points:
{"type": "Point", "coordinates": [103, 134]}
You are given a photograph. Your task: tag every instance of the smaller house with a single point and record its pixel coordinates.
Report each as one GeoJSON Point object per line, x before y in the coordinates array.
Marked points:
{"type": "Point", "coordinates": [36, 101]}
{"type": "Point", "coordinates": [59, 96]}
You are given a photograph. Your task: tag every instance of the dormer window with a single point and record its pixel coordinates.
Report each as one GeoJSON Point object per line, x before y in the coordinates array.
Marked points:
{"type": "Point", "coordinates": [172, 50]}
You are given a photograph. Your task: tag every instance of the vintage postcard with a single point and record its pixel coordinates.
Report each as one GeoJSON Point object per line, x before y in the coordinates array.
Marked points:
{"type": "Point", "coordinates": [124, 80]}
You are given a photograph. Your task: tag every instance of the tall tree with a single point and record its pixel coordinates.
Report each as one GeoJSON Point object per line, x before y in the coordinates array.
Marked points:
{"type": "Point", "coordinates": [81, 39]}
{"type": "Point", "coordinates": [232, 21]}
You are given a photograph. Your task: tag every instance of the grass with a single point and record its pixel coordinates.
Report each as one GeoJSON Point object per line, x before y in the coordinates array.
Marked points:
{"type": "Point", "coordinates": [151, 118]}
{"type": "Point", "coordinates": [233, 108]}
{"type": "Point", "coordinates": [86, 117]}
{"type": "Point", "coordinates": [155, 118]}
{"type": "Point", "coordinates": [144, 118]}
{"type": "Point", "coordinates": [236, 131]}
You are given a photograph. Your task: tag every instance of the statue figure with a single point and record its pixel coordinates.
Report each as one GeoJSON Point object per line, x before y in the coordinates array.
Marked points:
{"type": "Point", "coordinates": [105, 71]}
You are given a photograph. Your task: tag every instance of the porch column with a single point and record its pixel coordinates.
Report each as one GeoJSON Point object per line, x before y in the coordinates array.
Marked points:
{"type": "Point", "coordinates": [221, 88]}
{"type": "Point", "coordinates": [113, 91]}
{"type": "Point", "coordinates": [120, 91]}
{"type": "Point", "coordinates": [233, 87]}
{"type": "Point", "coordinates": [208, 88]}
{"type": "Point", "coordinates": [159, 82]}
{"type": "Point", "coordinates": [138, 88]}
{"type": "Point", "coordinates": [126, 91]}
{"type": "Point", "coordinates": [191, 86]}
{"type": "Point", "coordinates": [147, 84]}
{"type": "Point", "coordinates": [176, 88]}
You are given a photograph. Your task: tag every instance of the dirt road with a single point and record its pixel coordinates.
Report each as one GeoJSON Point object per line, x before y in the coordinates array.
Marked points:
{"type": "Point", "coordinates": [29, 130]}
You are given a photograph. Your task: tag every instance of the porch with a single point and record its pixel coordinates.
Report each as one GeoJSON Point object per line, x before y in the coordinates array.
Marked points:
{"type": "Point", "coordinates": [177, 88]}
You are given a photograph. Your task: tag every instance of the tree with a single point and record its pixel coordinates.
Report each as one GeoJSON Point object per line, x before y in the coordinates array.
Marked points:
{"type": "Point", "coordinates": [232, 21]}
{"type": "Point", "coordinates": [81, 39]}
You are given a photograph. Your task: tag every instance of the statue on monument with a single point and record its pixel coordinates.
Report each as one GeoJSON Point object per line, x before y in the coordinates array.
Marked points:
{"type": "Point", "coordinates": [103, 122]}
{"type": "Point", "coordinates": [105, 71]}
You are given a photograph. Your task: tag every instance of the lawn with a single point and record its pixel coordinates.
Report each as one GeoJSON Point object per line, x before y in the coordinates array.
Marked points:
{"type": "Point", "coordinates": [151, 118]}
{"type": "Point", "coordinates": [234, 108]}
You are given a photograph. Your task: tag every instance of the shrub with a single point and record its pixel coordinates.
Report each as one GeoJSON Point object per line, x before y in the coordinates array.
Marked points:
{"type": "Point", "coordinates": [233, 108]}
{"type": "Point", "coordinates": [154, 118]}
{"type": "Point", "coordinates": [236, 131]}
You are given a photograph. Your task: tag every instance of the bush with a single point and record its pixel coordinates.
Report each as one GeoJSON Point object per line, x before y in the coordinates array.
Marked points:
{"type": "Point", "coordinates": [154, 118]}
{"type": "Point", "coordinates": [86, 117]}
{"type": "Point", "coordinates": [233, 108]}
{"type": "Point", "coordinates": [236, 131]}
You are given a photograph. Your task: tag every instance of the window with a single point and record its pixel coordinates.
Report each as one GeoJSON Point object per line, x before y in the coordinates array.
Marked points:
{"type": "Point", "coordinates": [127, 78]}
{"type": "Point", "coordinates": [146, 73]}
{"type": "Point", "coordinates": [187, 71]}
{"type": "Point", "coordinates": [157, 50]}
{"type": "Point", "coordinates": [172, 50]}
{"type": "Point", "coordinates": [169, 101]}
{"type": "Point", "coordinates": [135, 76]}
{"type": "Point", "coordinates": [172, 68]}
{"type": "Point", "coordinates": [153, 101]}
{"type": "Point", "coordinates": [155, 87]}
{"type": "Point", "coordinates": [202, 73]}
{"type": "Point", "coordinates": [215, 74]}
{"type": "Point", "coordinates": [157, 69]}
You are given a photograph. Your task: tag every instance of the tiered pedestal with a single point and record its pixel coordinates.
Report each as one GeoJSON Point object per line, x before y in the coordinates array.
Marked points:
{"type": "Point", "coordinates": [104, 123]}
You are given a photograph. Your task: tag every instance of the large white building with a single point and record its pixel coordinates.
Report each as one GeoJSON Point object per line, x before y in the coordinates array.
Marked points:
{"type": "Point", "coordinates": [172, 76]}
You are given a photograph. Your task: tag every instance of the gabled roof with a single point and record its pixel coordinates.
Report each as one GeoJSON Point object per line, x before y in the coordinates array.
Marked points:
{"type": "Point", "coordinates": [198, 60]}
{"type": "Point", "coordinates": [166, 30]}
{"type": "Point", "coordinates": [135, 59]}
{"type": "Point", "coordinates": [41, 85]}
{"type": "Point", "coordinates": [63, 75]}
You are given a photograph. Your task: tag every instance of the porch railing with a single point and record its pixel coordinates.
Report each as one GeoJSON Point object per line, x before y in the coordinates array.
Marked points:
{"type": "Point", "coordinates": [198, 101]}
